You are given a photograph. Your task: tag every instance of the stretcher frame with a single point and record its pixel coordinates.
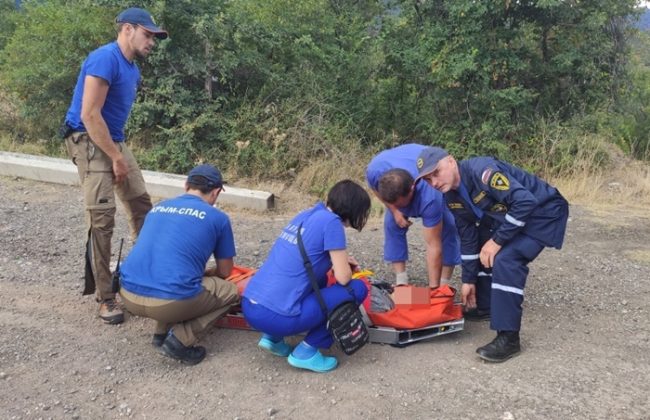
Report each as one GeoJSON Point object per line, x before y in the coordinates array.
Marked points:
{"type": "Point", "coordinates": [402, 338]}
{"type": "Point", "coordinates": [377, 334]}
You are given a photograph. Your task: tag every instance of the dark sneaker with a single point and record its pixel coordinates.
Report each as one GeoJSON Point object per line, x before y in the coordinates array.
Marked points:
{"type": "Point", "coordinates": [158, 340]}
{"type": "Point", "coordinates": [173, 348]}
{"type": "Point", "coordinates": [502, 348]}
{"type": "Point", "coordinates": [110, 312]}
{"type": "Point", "coordinates": [476, 314]}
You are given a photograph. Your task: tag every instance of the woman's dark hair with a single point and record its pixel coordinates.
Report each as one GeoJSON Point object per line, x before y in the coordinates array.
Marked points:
{"type": "Point", "coordinates": [395, 184]}
{"type": "Point", "coordinates": [350, 202]}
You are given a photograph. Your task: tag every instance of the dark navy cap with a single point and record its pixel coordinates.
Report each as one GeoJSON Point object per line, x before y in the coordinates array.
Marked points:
{"type": "Point", "coordinates": [205, 175]}
{"type": "Point", "coordinates": [429, 159]}
{"type": "Point", "coordinates": [141, 17]}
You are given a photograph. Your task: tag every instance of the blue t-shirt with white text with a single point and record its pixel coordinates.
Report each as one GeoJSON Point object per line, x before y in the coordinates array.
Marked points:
{"type": "Point", "coordinates": [282, 282]}
{"type": "Point", "coordinates": [177, 239]}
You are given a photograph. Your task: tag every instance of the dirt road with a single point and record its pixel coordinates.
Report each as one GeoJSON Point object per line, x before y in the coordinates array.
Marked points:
{"type": "Point", "coordinates": [586, 335]}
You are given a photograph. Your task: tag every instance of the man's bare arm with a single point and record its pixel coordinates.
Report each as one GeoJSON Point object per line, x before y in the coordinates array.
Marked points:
{"type": "Point", "coordinates": [433, 241]}
{"type": "Point", "coordinates": [95, 91]}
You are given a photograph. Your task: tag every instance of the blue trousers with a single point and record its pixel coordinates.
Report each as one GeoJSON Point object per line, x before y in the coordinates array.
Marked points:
{"type": "Point", "coordinates": [396, 245]}
{"type": "Point", "coordinates": [484, 289]}
{"type": "Point", "coordinates": [484, 277]}
{"type": "Point", "coordinates": [508, 281]}
{"type": "Point", "coordinates": [311, 318]}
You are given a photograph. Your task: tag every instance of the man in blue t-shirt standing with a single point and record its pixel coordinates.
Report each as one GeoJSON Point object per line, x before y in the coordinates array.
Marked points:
{"type": "Point", "coordinates": [94, 135]}
{"type": "Point", "coordinates": [164, 276]}
{"type": "Point", "coordinates": [391, 174]}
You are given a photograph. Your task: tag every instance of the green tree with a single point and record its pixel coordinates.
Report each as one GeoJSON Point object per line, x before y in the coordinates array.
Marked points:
{"type": "Point", "coordinates": [270, 87]}
{"type": "Point", "coordinates": [7, 16]}
{"type": "Point", "coordinates": [41, 60]}
{"type": "Point", "coordinates": [496, 66]}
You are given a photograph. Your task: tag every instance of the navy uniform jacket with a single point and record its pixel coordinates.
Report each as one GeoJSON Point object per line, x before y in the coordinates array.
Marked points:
{"type": "Point", "coordinates": [515, 200]}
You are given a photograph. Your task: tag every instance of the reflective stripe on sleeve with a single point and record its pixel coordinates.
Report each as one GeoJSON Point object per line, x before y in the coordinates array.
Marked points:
{"type": "Point", "coordinates": [508, 289]}
{"type": "Point", "coordinates": [469, 257]}
{"type": "Point", "coordinates": [514, 221]}
{"type": "Point", "coordinates": [483, 273]}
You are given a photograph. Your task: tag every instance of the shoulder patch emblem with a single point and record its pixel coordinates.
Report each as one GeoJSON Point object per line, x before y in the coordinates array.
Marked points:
{"type": "Point", "coordinates": [485, 177]}
{"type": "Point", "coordinates": [500, 182]}
{"type": "Point", "coordinates": [480, 196]}
{"type": "Point", "coordinates": [499, 208]}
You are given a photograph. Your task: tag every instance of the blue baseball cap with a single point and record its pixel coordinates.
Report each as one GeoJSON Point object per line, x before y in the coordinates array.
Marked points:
{"type": "Point", "coordinates": [206, 175]}
{"type": "Point", "coordinates": [141, 17]}
{"type": "Point", "coordinates": [428, 159]}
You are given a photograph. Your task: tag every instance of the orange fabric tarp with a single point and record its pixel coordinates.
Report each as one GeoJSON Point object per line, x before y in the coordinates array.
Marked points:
{"type": "Point", "coordinates": [402, 317]}
{"type": "Point", "coordinates": [408, 317]}
{"type": "Point", "coordinates": [241, 276]}
{"type": "Point", "coordinates": [405, 317]}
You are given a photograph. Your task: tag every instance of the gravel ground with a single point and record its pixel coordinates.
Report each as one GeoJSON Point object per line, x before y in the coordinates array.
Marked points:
{"type": "Point", "coordinates": [585, 336]}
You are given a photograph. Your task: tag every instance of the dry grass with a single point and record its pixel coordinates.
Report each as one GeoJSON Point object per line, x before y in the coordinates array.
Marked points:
{"type": "Point", "coordinates": [625, 183]}
{"type": "Point", "coordinates": [595, 174]}
{"type": "Point", "coordinates": [615, 197]}
{"type": "Point", "coordinates": [13, 133]}
{"type": "Point", "coordinates": [313, 182]}
{"type": "Point", "coordinates": [350, 164]}
{"type": "Point", "coordinates": [7, 107]}
{"type": "Point", "coordinates": [8, 144]}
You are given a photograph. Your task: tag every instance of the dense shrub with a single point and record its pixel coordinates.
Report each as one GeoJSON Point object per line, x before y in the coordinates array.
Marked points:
{"type": "Point", "coordinates": [272, 87]}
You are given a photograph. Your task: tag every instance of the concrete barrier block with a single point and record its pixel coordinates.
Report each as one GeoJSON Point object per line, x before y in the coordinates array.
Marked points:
{"type": "Point", "coordinates": [159, 184]}
{"type": "Point", "coordinates": [39, 168]}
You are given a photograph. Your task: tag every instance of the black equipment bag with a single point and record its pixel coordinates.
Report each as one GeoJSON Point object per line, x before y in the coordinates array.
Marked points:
{"type": "Point", "coordinates": [347, 327]}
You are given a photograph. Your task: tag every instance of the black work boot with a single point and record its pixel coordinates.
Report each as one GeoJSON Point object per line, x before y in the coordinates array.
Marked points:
{"type": "Point", "coordinates": [502, 348]}
{"type": "Point", "coordinates": [173, 348]}
{"type": "Point", "coordinates": [477, 314]}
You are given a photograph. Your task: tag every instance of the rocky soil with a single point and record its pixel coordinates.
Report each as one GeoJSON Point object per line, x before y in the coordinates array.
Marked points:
{"type": "Point", "coordinates": [586, 335]}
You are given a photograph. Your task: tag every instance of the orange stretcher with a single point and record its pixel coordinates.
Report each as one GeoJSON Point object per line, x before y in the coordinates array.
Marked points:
{"type": "Point", "coordinates": [399, 326]}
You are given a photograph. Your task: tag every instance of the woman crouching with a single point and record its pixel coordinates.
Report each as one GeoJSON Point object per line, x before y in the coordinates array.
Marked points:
{"type": "Point", "coordinates": [280, 300]}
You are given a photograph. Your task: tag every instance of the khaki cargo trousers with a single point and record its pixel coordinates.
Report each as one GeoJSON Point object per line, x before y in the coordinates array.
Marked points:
{"type": "Point", "coordinates": [189, 318]}
{"type": "Point", "coordinates": [95, 170]}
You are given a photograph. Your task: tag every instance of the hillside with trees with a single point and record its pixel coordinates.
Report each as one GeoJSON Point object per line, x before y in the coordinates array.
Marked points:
{"type": "Point", "coordinates": [279, 88]}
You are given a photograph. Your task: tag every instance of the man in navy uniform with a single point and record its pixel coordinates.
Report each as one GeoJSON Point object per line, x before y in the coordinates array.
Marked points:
{"type": "Point", "coordinates": [526, 215]}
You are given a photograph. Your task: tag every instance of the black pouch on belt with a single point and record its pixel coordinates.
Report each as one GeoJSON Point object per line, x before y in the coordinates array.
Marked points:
{"type": "Point", "coordinates": [65, 130]}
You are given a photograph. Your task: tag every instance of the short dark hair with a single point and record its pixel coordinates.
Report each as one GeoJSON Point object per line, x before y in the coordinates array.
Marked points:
{"type": "Point", "coordinates": [202, 184]}
{"type": "Point", "coordinates": [350, 202]}
{"type": "Point", "coordinates": [394, 184]}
